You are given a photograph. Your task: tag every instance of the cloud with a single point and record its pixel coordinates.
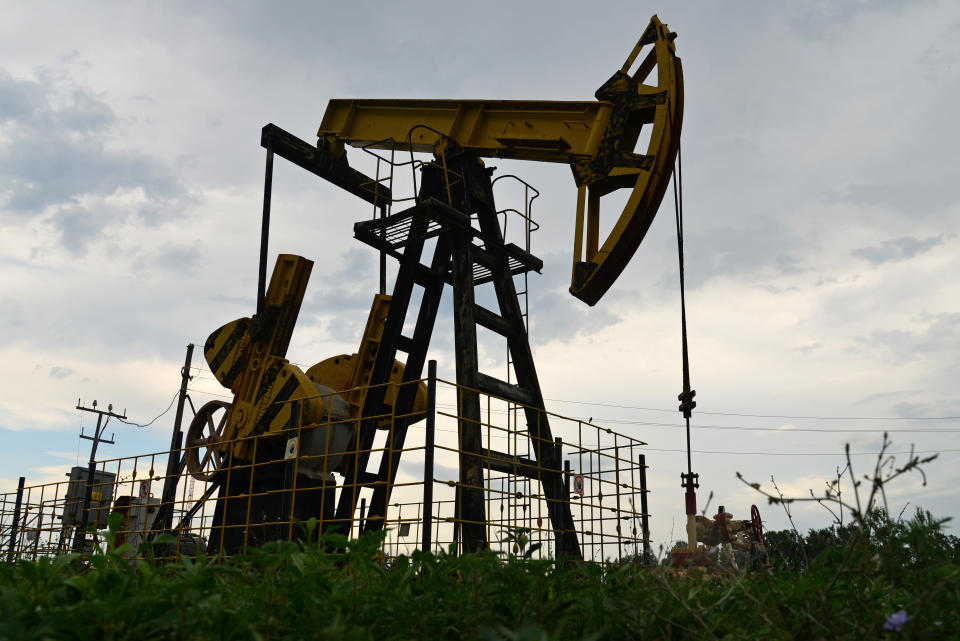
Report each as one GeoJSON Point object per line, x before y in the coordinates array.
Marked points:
{"type": "Point", "coordinates": [246, 302]}
{"type": "Point", "coordinates": [55, 471]}
{"type": "Point", "coordinates": [900, 345]}
{"type": "Point", "coordinates": [556, 315]}
{"type": "Point", "coordinates": [824, 19]}
{"type": "Point", "coordinates": [942, 407]}
{"type": "Point", "coordinates": [908, 189]}
{"type": "Point", "coordinates": [60, 373]}
{"type": "Point", "coordinates": [940, 59]}
{"type": "Point", "coordinates": [897, 249]}
{"type": "Point", "coordinates": [13, 314]}
{"type": "Point", "coordinates": [57, 165]}
{"type": "Point", "coordinates": [759, 248]}
{"type": "Point", "coordinates": [342, 300]}
{"type": "Point", "coordinates": [185, 259]}
{"type": "Point", "coordinates": [69, 456]}
{"type": "Point", "coordinates": [880, 396]}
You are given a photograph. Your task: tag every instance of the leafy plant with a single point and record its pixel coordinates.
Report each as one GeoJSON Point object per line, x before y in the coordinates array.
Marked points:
{"type": "Point", "coordinates": [872, 577]}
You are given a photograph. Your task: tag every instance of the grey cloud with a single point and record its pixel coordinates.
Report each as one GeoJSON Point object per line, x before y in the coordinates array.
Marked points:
{"type": "Point", "coordinates": [60, 373]}
{"type": "Point", "coordinates": [941, 336]}
{"type": "Point", "coordinates": [825, 19]}
{"type": "Point", "coordinates": [17, 263]}
{"type": "Point", "coordinates": [879, 396]}
{"type": "Point", "coordinates": [241, 301]}
{"type": "Point", "coordinates": [354, 263]}
{"type": "Point", "coordinates": [927, 409]}
{"type": "Point", "coordinates": [180, 258]}
{"type": "Point", "coordinates": [77, 226]}
{"type": "Point", "coordinates": [342, 299]}
{"type": "Point", "coordinates": [18, 98]}
{"type": "Point", "coordinates": [13, 315]}
{"type": "Point", "coordinates": [343, 328]}
{"type": "Point", "coordinates": [761, 247]}
{"type": "Point", "coordinates": [941, 57]}
{"type": "Point", "coordinates": [910, 410]}
{"type": "Point", "coordinates": [555, 314]}
{"type": "Point", "coordinates": [897, 249]}
{"type": "Point", "coordinates": [897, 404]}
{"type": "Point", "coordinates": [774, 289]}
{"type": "Point", "coordinates": [54, 160]}
{"type": "Point", "coordinates": [905, 190]}
{"type": "Point", "coordinates": [346, 288]}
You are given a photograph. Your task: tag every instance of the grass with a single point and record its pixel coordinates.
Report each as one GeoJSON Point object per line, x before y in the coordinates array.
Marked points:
{"type": "Point", "coordinates": [871, 578]}
{"type": "Point", "coordinates": [284, 591]}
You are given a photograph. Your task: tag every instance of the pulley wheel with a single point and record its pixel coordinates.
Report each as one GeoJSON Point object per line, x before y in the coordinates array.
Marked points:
{"type": "Point", "coordinates": [756, 523]}
{"type": "Point", "coordinates": [204, 456]}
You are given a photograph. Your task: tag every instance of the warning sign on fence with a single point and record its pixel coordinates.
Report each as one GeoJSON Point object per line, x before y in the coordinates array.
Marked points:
{"type": "Point", "coordinates": [578, 484]}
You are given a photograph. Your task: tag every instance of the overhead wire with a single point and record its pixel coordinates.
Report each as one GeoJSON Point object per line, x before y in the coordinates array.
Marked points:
{"type": "Point", "coordinates": [722, 452]}
{"type": "Point", "coordinates": [738, 453]}
{"type": "Point", "coordinates": [661, 409]}
{"type": "Point", "coordinates": [617, 421]}
{"type": "Point", "coordinates": [745, 415]}
{"type": "Point", "coordinates": [822, 430]}
{"type": "Point", "coordinates": [780, 430]}
{"type": "Point", "coordinates": [126, 422]}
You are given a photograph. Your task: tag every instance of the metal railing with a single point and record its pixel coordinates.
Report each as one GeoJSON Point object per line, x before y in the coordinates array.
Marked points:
{"type": "Point", "coordinates": [270, 495]}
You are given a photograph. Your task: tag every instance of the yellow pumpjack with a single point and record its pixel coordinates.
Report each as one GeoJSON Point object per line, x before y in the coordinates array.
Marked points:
{"type": "Point", "coordinates": [597, 139]}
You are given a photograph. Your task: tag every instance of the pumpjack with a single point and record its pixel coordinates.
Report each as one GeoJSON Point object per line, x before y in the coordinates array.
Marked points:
{"type": "Point", "coordinates": [340, 403]}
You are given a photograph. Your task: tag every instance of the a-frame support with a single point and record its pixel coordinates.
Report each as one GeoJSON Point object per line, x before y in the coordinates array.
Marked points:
{"type": "Point", "coordinates": [461, 262]}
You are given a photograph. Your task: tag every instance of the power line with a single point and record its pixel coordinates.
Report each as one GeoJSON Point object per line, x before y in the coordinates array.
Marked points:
{"type": "Point", "coordinates": [933, 430]}
{"type": "Point", "coordinates": [200, 391]}
{"type": "Point", "coordinates": [660, 449]}
{"type": "Point", "coordinates": [155, 418]}
{"type": "Point", "coordinates": [737, 414]}
{"type": "Point", "coordinates": [816, 418]}
{"type": "Point", "coordinates": [727, 452]}
{"type": "Point", "coordinates": [604, 421]}
{"type": "Point", "coordinates": [601, 421]}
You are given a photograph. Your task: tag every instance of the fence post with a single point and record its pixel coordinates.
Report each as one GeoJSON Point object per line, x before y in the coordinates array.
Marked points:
{"type": "Point", "coordinates": [16, 519]}
{"type": "Point", "coordinates": [558, 447]}
{"type": "Point", "coordinates": [558, 485]}
{"type": "Point", "coordinates": [644, 517]}
{"type": "Point", "coordinates": [290, 457]}
{"type": "Point", "coordinates": [427, 531]}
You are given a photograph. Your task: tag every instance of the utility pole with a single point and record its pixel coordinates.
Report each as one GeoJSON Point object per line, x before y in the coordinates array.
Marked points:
{"type": "Point", "coordinates": [174, 464]}
{"type": "Point", "coordinates": [97, 438]}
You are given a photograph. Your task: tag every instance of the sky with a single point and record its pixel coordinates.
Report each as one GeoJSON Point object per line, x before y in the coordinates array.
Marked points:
{"type": "Point", "coordinates": [820, 200]}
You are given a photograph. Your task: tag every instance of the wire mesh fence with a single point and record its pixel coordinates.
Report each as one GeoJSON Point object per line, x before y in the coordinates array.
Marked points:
{"type": "Point", "coordinates": [229, 495]}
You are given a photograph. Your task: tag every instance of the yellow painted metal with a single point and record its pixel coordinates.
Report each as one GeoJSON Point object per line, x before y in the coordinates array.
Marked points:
{"type": "Point", "coordinates": [248, 356]}
{"type": "Point", "coordinates": [598, 139]}
{"type": "Point", "coordinates": [593, 223]}
{"type": "Point", "coordinates": [578, 226]}
{"type": "Point", "coordinates": [350, 374]}
{"type": "Point", "coordinates": [550, 131]}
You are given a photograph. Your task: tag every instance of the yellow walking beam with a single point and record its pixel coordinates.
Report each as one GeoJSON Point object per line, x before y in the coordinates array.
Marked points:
{"type": "Point", "coordinates": [551, 131]}
{"type": "Point", "coordinates": [598, 139]}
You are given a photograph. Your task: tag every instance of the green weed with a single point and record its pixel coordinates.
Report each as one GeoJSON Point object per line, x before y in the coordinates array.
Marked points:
{"type": "Point", "coordinates": [871, 578]}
